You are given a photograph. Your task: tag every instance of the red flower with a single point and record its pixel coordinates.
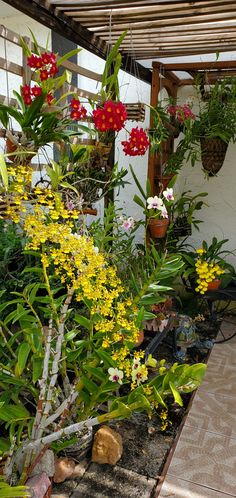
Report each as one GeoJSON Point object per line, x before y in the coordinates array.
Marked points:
{"type": "Point", "coordinates": [53, 70]}
{"type": "Point", "coordinates": [25, 90]}
{"type": "Point", "coordinates": [77, 114]}
{"type": "Point", "coordinates": [36, 91]}
{"type": "Point", "coordinates": [35, 62]}
{"type": "Point", "coordinates": [27, 99]}
{"type": "Point", "coordinates": [181, 112]}
{"type": "Point", "coordinates": [49, 98]}
{"type": "Point", "coordinates": [44, 74]}
{"type": "Point", "coordinates": [111, 116]}
{"type": "Point", "coordinates": [75, 104]}
{"type": "Point", "coordinates": [46, 58]}
{"type": "Point", "coordinates": [137, 144]}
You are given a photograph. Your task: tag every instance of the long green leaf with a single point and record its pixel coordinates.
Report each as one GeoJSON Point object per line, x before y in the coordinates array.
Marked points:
{"type": "Point", "coordinates": [3, 172]}
{"type": "Point", "coordinates": [68, 55]}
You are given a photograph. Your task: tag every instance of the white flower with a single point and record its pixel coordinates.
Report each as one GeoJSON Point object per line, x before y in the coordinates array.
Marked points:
{"type": "Point", "coordinates": [154, 202]}
{"type": "Point", "coordinates": [115, 375]}
{"type": "Point", "coordinates": [128, 223]}
{"type": "Point", "coordinates": [139, 374]}
{"type": "Point", "coordinates": [164, 212]}
{"type": "Point", "coordinates": [168, 194]}
{"type": "Point", "coordinates": [96, 249]}
{"type": "Point", "coordinates": [136, 363]}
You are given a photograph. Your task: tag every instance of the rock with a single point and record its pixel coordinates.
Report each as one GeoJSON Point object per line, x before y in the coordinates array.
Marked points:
{"type": "Point", "coordinates": [107, 446]}
{"type": "Point", "coordinates": [64, 468]}
{"type": "Point", "coordinates": [39, 485]}
{"type": "Point", "coordinates": [80, 469]}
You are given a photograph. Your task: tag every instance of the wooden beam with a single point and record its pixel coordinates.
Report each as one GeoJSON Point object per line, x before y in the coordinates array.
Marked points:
{"type": "Point", "coordinates": [184, 66]}
{"type": "Point", "coordinates": [74, 31]}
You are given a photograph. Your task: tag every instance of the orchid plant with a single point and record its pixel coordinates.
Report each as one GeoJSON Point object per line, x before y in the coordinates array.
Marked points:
{"type": "Point", "coordinates": [157, 207]}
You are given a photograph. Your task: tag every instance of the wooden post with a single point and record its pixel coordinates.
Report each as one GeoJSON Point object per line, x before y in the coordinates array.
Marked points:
{"type": "Point", "coordinates": [26, 75]}
{"type": "Point", "coordinates": [152, 159]}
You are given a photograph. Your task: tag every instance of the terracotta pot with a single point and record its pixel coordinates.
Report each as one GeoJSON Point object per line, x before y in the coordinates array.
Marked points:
{"type": "Point", "coordinates": [214, 285]}
{"type": "Point", "coordinates": [158, 228]}
{"type": "Point", "coordinates": [140, 338]}
{"type": "Point", "coordinates": [164, 180]}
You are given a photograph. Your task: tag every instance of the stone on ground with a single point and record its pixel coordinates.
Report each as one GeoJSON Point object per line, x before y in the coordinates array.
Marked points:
{"type": "Point", "coordinates": [107, 446]}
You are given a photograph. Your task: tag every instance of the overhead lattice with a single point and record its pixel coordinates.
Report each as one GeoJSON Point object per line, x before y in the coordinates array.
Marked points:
{"type": "Point", "coordinates": [155, 28]}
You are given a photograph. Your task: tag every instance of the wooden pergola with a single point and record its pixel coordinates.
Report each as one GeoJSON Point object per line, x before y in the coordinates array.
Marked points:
{"type": "Point", "coordinates": [156, 30]}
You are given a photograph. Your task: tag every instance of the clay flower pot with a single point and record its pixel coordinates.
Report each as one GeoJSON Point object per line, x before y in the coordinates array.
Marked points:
{"type": "Point", "coordinates": [158, 228]}
{"type": "Point", "coordinates": [214, 285]}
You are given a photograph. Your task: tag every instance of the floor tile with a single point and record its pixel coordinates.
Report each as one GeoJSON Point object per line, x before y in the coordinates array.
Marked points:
{"type": "Point", "coordinates": [228, 329]}
{"type": "Point", "coordinates": [205, 458]}
{"type": "Point", "coordinates": [214, 413]}
{"type": "Point", "coordinates": [177, 488]}
{"type": "Point", "coordinates": [220, 379]}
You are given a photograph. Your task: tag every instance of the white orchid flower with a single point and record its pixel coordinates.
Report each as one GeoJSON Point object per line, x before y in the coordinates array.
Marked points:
{"type": "Point", "coordinates": [115, 375]}
{"type": "Point", "coordinates": [154, 202]}
{"type": "Point", "coordinates": [168, 194]}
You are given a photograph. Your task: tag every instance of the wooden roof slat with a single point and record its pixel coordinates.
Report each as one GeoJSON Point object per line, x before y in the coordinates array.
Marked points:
{"type": "Point", "coordinates": [199, 7]}
{"type": "Point", "coordinates": [181, 40]}
{"type": "Point", "coordinates": [170, 22]}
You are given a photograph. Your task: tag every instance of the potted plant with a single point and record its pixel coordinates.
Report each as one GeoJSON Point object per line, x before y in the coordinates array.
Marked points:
{"type": "Point", "coordinates": [156, 209]}
{"type": "Point", "coordinates": [206, 267]}
{"type": "Point", "coordinates": [182, 213]}
{"type": "Point", "coordinates": [215, 125]}
{"type": "Point", "coordinates": [40, 116]}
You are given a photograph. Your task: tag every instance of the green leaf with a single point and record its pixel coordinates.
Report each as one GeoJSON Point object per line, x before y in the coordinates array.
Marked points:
{"type": "Point", "coordinates": [23, 353]}
{"type": "Point", "coordinates": [3, 172]}
{"type": "Point", "coordinates": [14, 413]}
{"type": "Point", "coordinates": [139, 201]}
{"type": "Point", "coordinates": [106, 358]}
{"type": "Point", "coordinates": [91, 387]}
{"type": "Point", "coordinates": [68, 55]}
{"type": "Point", "coordinates": [176, 394]}
{"type": "Point", "coordinates": [97, 373]}
{"type": "Point", "coordinates": [82, 320]}
{"type": "Point", "coordinates": [158, 397]}
{"type": "Point", "coordinates": [37, 363]}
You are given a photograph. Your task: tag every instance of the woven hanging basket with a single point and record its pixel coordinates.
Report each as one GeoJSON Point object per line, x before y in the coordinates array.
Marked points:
{"type": "Point", "coordinates": [213, 152]}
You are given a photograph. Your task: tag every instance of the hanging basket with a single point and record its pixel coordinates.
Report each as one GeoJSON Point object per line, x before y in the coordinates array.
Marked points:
{"type": "Point", "coordinates": [158, 228]}
{"type": "Point", "coordinates": [213, 152]}
{"type": "Point", "coordinates": [135, 112]}
{"type": "Point", "coordinates": [181, 227]}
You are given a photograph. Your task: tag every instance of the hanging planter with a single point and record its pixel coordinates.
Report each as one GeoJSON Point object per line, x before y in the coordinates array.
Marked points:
{"type": "Point", "coordinates": [181, 227]}
{"type": "Point", "coordinates": [213, 152]}
{"type": "Point", "coordinates": [135, 111]}
{"type": "Point", "coordinates": [158, 228]}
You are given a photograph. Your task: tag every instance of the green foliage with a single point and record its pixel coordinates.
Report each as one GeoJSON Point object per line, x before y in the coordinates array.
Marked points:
{"type": "Point", "coordinates": [186, 205]}
{"type": "Point", "coordinates": [7, 491]}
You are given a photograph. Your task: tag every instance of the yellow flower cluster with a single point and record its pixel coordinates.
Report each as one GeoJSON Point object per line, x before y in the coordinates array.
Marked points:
{"type": "Point", "coordinates": [20, 177]}
{"type": "Point", "coordinates": [73, 258]}
{"type": "Point", "coordinates": [206, 272]}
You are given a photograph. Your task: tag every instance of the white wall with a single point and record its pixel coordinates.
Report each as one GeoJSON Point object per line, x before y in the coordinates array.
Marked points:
{"type": "Point", "coordinates": [220, 217]}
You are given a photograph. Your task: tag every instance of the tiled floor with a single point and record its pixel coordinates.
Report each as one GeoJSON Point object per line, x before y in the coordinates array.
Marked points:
{"type": "Point", "coordinates": [204, 461]}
